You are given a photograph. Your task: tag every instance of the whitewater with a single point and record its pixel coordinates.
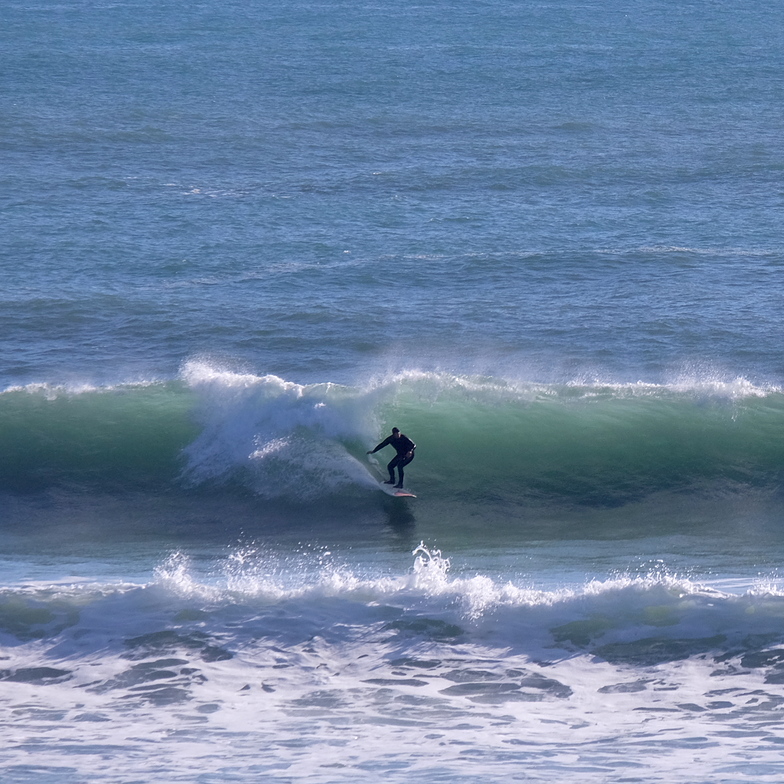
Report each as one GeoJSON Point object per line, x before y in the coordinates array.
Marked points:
{"type": "Point", "coordinates": [244, 240]}
{"type": "Point", "coordinates": [295, 667]}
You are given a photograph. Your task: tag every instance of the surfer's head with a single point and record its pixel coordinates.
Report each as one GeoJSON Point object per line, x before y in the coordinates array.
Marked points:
{"type": "Point", "coordinates": [395, 431]}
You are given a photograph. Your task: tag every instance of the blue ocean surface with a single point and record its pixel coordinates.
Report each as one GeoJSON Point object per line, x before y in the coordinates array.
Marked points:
{"type": "Point", "coordinates": [241, 241]}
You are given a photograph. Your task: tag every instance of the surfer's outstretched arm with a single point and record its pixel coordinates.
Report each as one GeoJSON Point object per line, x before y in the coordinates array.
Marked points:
{"type": "Point", "coordinates": [384, 443]}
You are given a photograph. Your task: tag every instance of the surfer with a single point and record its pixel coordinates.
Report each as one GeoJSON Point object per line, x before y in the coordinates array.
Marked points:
{"type": "Point", "coordinates": [404, 447]}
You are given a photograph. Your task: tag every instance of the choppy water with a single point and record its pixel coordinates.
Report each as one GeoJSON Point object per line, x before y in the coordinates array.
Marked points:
{"type": "Point", "coordinates": [243, 240]}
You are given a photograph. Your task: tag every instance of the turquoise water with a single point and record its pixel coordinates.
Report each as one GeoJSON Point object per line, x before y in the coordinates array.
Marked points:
{"type": "Point", "coordinates": [241, 241]}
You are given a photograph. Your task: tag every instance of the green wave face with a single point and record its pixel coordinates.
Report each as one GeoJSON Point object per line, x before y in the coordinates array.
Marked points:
{"type": "Point", "coordinates": [123, 437]}
{"type": "Point", "coordinates": [593, 444]}
{"type": "Point", "coordinates": [481, 439]}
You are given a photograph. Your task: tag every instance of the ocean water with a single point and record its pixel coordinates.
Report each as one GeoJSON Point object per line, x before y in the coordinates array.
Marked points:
{"type": "Point", "coordinates": [243, 239]}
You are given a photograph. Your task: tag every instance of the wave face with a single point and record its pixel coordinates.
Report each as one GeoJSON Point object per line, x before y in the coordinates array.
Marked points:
{"type": "Point", "coordinates": [485, 440]}
{"type": "Point", "coordinates": [109, 438]}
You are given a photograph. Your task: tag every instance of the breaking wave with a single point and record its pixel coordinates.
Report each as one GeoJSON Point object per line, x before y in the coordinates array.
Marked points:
{"type": "Point", "coordinates": [584, 442]}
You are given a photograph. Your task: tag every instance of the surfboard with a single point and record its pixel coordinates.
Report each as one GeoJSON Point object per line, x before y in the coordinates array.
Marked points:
{"type": "Point", "coordinates": [396, 493]}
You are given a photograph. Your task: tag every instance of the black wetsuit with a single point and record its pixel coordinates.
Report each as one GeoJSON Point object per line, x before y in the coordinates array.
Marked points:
{"type": "Point", "coordinates": [404, 447]}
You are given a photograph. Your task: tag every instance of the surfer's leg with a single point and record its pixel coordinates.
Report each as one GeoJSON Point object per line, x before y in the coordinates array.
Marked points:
{"type": "Point", "coordinates": [404, 461]}
{"type": "Point", "coordinates": [391, 468]}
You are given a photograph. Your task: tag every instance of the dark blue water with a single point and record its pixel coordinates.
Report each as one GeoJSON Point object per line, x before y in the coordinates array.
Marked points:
{"type": "Point", "coordinates": [306, 189]}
